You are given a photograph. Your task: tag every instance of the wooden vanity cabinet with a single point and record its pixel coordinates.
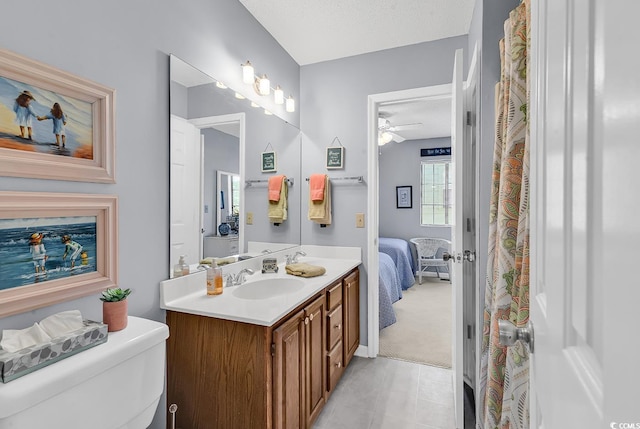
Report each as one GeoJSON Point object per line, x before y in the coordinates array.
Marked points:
{"type": "Point", "coordinates": [234, 375]}
{"type": "Point", "coordinates": [351, 314]}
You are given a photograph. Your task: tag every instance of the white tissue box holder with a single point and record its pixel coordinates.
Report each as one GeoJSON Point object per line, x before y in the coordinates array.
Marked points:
{"type": "Point", "coordinates": [22, 362]}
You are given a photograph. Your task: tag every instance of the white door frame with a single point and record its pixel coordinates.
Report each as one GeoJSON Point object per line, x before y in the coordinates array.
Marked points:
{"type": "Point", "coordinates": [374, 101]}
{"type": "Point", "coordinates": [213, 121]}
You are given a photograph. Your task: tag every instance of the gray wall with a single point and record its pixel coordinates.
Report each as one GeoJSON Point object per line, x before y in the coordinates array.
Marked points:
{"type": "Point", "coordinates": [405, 223]}
{"type": "Point", "coordinates": [126, 47]}
{"type": "Point", "coordinates": [221, 152]}
{"type": "Point", "coordinates": [334, 104]}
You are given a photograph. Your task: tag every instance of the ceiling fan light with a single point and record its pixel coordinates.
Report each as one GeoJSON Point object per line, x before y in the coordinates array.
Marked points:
{"type": "Point", "coordinates": [386, 137]}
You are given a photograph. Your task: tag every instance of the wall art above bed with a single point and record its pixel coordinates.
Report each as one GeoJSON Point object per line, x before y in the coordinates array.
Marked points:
{"type": "Point", "coordinates": [55, 247]}
{"type": "Point", "coordinates": [54, 125]}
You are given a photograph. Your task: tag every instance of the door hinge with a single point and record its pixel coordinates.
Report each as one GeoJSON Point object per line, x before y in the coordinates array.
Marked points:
{"type": "Point", "coordinates": [273, 349]}
{"type": "Point", "coordinates": [469, 118]}
{"type": "Point", "coordinates": [469, 256]}
{"type": "Point", "coordinates": [469, 332]}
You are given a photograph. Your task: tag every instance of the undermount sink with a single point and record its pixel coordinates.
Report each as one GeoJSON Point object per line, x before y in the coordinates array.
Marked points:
{"type": "Point", "coordinates": [268, 288]}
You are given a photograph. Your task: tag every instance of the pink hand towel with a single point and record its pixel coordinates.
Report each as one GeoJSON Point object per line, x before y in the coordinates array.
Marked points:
{"type": "Point", "coordinates": [316, 186]}
{"type": "Point", "coordinates": [275, 185]}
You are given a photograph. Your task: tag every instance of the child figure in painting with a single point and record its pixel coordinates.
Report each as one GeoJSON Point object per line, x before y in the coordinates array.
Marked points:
{"type": "Point", "coordinates": [71, 248]}
{"type": "Point", "coordinates": [59, 121]}
{"type": "Point", "coordinates": [38, 252]}
{"type": "Point", "coordinates": [24, 112]}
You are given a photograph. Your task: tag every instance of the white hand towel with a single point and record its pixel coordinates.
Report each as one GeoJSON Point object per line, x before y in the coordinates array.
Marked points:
{"type": "Point", "coordinates": [18, 339]}
{"type": "Point", "coordinates": [62, 323]}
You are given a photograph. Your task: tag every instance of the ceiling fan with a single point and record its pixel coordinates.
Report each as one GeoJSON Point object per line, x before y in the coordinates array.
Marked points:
{"type": "Point", "coordinates": [387, 132]}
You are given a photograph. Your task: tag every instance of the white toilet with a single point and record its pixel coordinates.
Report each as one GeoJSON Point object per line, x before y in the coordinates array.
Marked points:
{"type": "Point", "coordinates": [115, 385]}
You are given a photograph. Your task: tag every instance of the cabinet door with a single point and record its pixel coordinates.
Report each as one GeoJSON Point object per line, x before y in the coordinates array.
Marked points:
{"type": "Point", "coordinates": [351, 315]}
{"type": "Point", "coordinates": [315, 344]}
{"type": "Point", "coordinates": [288, 374]}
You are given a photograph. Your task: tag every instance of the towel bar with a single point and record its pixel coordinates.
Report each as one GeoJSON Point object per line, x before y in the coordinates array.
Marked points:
{"type": "Point", "coordinates": [252, 182]}
{"type": "Point", "coordinates": [359, 179]}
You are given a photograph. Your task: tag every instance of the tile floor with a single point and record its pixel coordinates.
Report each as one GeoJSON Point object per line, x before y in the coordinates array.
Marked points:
{"type": "Point", "coordinates": [385, 393]}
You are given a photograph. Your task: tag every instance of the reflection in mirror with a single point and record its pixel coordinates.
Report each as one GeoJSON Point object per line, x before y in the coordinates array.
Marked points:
{"type": "Point", "coordinates": [216, 142]}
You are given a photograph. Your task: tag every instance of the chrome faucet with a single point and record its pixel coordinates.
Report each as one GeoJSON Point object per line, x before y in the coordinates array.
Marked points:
{"type": "Point", "coordinates": [293, 259]}
{"type": "Point", "coordinates": [239, 278]}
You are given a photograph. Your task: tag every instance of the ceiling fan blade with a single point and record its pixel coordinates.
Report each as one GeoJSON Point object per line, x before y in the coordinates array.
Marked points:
{"type": "Point", "coordinates": [397, 138]}
{"type": "Point", "coordinates": [405, 126]}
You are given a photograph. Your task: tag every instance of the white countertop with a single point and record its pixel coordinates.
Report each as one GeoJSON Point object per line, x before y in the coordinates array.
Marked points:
{"type": "Point", "coordinates": [188, 295]}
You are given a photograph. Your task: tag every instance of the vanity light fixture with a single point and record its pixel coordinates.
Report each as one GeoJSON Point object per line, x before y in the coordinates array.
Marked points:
{"type": "Point", "coordinates": [263, 83]}
{"type": "Point", "coordinates": [248, 75]}
{"type": "Point", "coordinates": [262, 86]}
{"type": "Point", "coordinates": [291, 105]}
{"type": "Point", "coordinates": [278, 95]}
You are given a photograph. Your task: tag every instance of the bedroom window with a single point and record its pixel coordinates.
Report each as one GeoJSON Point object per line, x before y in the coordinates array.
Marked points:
{"type": "Point", "coordinates": [435, 193]}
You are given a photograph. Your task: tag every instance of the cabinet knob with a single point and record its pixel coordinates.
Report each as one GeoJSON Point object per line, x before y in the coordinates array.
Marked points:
{"type": "Point", "coordinates": [306, 320]}
{"type": "Point", "coordinates": [339, 364]}
{"type": "Point", "coordinates": [311, 316]}
{"type": "Point", "coordinates": [338, 326]}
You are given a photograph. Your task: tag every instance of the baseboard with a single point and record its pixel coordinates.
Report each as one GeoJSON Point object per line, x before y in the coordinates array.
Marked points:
{"type": "Point", "coordinates": [362, 351]}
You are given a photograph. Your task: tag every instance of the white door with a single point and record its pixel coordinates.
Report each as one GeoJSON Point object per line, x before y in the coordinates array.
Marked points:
{"type": "Point", "coordinates": [584, 229]}
{"type": "Point", "coordinates": [456, 263]}
{"type": "Point", "coordinates": [185, 220]}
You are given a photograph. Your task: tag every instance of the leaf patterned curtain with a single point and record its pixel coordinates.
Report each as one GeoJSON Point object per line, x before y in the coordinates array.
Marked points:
{"type": "Point", "coordinates": [505, 370]}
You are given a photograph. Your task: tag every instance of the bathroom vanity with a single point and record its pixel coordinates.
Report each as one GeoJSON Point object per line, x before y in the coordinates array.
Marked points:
{"type": "Point", "coordinates": [249, 360]}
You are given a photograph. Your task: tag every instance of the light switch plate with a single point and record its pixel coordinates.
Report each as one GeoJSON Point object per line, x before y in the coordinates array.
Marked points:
{"type": "Point", "coordinates": [249, 218]}
{"type": "Point", "coordinates": [359, 220]}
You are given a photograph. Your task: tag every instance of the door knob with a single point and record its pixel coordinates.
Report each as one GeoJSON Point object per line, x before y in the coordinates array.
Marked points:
{"type": "Point", "coordinates": [446, 256]}
{"type": "Point", "coordinates": [509, 334]}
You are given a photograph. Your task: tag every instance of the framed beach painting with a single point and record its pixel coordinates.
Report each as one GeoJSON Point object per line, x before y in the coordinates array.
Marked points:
{"type": "Point", "coordinates": [54, 125]}
{"type": "Point", "coordinates": [55, 247]}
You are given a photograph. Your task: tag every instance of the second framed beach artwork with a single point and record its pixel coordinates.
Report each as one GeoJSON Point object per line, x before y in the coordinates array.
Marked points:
{"type": "Point", "coordinates": [54, 125]}
{"type": "Point", "coordinates": [55, 247]}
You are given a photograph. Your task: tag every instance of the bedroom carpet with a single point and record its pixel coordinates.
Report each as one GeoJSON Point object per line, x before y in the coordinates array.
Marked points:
{"type": "Point", "coordinates": [422, 332]}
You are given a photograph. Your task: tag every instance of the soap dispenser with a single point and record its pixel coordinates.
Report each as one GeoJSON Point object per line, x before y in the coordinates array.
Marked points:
{"type": "Point", "coordinates": [181, 268]}
{"type": "Point", "coordinates": [214, 279]}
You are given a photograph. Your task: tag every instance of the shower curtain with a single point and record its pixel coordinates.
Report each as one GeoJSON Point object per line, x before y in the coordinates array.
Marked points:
{"type": "Point", "coordinates": [505, 370]}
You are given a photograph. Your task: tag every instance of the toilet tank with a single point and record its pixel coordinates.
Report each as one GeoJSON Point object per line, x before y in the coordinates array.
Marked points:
{"type": "Point", "coordinates": [115, 385]}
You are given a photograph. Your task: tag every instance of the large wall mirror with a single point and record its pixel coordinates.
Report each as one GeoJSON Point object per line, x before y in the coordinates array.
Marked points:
{"type": "Point", "coordinates": [217, 181]}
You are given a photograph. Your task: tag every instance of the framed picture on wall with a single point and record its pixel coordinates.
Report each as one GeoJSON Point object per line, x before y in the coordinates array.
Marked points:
{"type": "Point", "coordinates": [335, 157]}
{"type": "Point", "coordinates": [54, 125]}
{"type": "Point", "coordinates": [55, 247]}
{"type": "Point", "coordinates": [404, 199]}
{"type": "Point", "coordinates": [269, 162]}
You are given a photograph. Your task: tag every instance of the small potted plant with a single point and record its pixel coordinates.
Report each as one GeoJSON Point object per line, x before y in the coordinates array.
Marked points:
{"type": "Point", "coordinates": [114, 308]}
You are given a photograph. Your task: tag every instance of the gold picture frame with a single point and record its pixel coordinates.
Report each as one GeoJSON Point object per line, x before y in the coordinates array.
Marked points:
{"type": "Point", "coordinates": [79, 238]}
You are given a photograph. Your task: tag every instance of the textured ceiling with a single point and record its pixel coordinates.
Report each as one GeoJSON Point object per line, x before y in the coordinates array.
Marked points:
{"type": "Point", "coordinates": [312, 31]}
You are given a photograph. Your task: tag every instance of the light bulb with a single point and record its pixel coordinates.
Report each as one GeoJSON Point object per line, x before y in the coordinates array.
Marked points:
{"type": "Point", "coordinates": [291, 105]}
{"type": "Point", "coordinates": [386, 137]}
{"type": "Point", "coordinates": [266, 112]}
{"type": "Point", "coordinates": [254, 104]}
{"type": "Point", "coordinates": [247, 72]}
{"type": "Point", "coordinates": [264, 86]}
{"type": "Point", "coordinates": [239, 96]}
{"type": "Point", "coordinates": [278, 95]}
{"type": "Point", "coordinates": [221, 85]}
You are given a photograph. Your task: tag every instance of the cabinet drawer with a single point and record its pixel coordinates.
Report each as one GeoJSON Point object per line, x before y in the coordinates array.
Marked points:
{"type": "Point", "coordinates": [334, 327]}
{"type": "Point", "coordinates": [334, 295]}
{"type": "Point", "coordinates": [335, 368]}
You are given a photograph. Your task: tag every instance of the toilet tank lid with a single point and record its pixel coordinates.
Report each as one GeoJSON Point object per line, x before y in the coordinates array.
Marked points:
{"type": "Point", "coordinates": [24, 392]}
